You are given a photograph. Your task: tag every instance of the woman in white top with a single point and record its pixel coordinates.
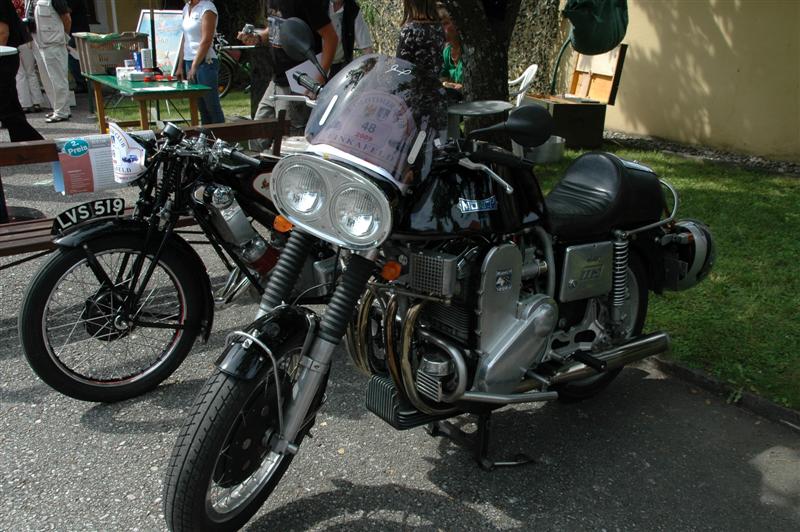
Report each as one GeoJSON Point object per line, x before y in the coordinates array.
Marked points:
{"type": "Point", "coordinates": [197, 60]}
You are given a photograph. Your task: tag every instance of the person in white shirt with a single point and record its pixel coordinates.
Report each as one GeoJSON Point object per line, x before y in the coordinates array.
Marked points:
{"type": "Point", "coordinates": [53, 23]}
{"type": "Point", "coordinates": [197, 60]}
{"type": "Point", "coordinates": [353, 32]}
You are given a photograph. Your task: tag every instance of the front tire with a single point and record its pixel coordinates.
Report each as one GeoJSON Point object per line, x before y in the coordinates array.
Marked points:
{"type": "Point", "coordinates": [222, 469]}
{"type": "Point", "coordinates": [68, 327]}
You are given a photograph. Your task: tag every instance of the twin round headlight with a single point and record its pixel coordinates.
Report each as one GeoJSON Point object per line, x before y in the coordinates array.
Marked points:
{"type": "Point", "coordinates": [331, 202]}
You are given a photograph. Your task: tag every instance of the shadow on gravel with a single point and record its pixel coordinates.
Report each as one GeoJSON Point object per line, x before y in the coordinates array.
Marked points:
{"type": "Point", "coordinates": [164, 410]}
{"type": "Point", "coordinates": [643, 452]}
{"type": "Point", "coordinates": [388, 507]}
{"type": "Point", "coordinates": [646, 454]}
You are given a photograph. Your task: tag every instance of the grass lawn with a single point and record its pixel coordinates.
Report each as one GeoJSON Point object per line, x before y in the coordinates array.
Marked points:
{"type": "Point", "coordinates": [742, 324]}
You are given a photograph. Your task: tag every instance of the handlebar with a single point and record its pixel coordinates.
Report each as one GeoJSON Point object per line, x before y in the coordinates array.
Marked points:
{"type": "Point", "coordinates": [307, 82]}
{"type": "Point", "coordinates": [240, 157]}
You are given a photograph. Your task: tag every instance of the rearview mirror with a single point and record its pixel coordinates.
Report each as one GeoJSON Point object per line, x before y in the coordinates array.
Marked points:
{"type": "Point", "coordinates": [528, 126]}
{"type": "Point", "coordinates": [297, 40]}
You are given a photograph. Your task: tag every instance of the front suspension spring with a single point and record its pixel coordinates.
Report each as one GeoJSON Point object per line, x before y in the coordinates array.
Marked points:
{"type": "Point", "coordinates": [287, 270]}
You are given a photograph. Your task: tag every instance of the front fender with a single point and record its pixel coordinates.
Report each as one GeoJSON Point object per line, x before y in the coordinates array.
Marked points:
{"type": "Point", "coordinates": [243, 359]}
{"type": "Point", "coordinates": [85, 233]}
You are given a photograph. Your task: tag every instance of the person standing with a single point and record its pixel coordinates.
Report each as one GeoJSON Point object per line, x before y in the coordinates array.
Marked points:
{"type": "Point", "coordinates": [53, 24]}
{"type": "Point", "coordinates": [28, 88]}
{"type": "Point", "coordinates": [453, 71]}
{"type": "Point", "coordinates": [421, 36]}
{"type": "Point", "coordinates": [315, 14]}
{"type": "Point", "coordinates": [80, 23]}
{"type": "Point", "coordinates": [353, 32]}
{"type": "Point", "coordinates": [197, 60]}
{"type": "Point", "coordinates": [11, 114]}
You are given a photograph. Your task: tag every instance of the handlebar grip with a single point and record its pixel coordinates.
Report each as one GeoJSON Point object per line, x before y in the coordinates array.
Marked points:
{"type": "Point", "coordinates": [241, 158]}
{"type": "Point", "coordinates": [307, 82]}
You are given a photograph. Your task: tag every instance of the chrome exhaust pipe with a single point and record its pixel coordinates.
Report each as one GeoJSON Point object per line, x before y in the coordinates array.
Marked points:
{"type": "Point", "coordinates": [641, 348]}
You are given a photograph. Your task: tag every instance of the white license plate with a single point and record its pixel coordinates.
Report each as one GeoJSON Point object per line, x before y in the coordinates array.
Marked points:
{"type": "Point", "coordinates": [87, 211]}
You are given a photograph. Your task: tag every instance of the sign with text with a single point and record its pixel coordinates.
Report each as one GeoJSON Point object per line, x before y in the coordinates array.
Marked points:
{"type": "Point", "coordinates": [169, 36]}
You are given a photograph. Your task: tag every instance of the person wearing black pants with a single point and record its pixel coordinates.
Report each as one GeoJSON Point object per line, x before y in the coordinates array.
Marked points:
{"type": "Point", "coordinates": [80, 23]}
{"type": "Point", "coordinates": [11, 113]}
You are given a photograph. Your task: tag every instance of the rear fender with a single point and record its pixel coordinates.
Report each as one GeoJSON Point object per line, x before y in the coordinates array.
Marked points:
{"type": "Point", "coordinates": [649, 249]}
{"type": "Point", "coordinates": [244, 359]}
{"type": "Point", "coordinates": [101, 228]}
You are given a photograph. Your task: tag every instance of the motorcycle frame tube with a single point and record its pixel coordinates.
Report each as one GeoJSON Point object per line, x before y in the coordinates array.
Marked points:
{"type": "Point", "coordinates": [84, 234]}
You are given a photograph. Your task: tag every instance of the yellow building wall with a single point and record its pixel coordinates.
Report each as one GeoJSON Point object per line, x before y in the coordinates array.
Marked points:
{"type": "Point", "coordinates": [724, 73]}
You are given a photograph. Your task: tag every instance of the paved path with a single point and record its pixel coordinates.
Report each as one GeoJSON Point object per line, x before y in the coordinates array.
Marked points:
{"type": "Point", "coordinates": [649, 454]}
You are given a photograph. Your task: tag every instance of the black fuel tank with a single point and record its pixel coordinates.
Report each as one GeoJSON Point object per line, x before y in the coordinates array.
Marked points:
{"type": "Point", "coordinates": [453, 199]}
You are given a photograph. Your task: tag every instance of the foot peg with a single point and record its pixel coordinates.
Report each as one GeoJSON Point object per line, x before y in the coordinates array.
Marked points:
{"type": "Point", "coordinates": [593, 362]}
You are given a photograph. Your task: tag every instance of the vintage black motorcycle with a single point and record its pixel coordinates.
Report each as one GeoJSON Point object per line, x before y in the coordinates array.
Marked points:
{"type": "Point", "coordinates": [465, 288]}
{"type": "Point", "coordinates": [119, 305]}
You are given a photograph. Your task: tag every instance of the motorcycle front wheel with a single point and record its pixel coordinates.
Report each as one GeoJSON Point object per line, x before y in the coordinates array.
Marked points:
{"type": "Point", "coordinates": [222, 468]}
{"type": "Point", "coordinates": [70, 326]}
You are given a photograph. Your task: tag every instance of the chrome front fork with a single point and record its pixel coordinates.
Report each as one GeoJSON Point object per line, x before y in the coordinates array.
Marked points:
{"type": "Point", "coordinates": [316, 359]}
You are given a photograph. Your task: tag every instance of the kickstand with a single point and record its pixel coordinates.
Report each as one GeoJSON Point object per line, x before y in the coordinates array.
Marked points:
{"type": "Point", "coordinates": [479, 443]}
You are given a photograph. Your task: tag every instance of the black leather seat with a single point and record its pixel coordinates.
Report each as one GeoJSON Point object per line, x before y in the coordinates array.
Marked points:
{"type": "Point", "coordinates": [601, 192]}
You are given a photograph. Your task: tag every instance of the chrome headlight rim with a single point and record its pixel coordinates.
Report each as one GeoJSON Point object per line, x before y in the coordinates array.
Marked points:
{"type": "Point", "coordinates": [279, 193]}
{"type": "Point", "coordinates": [338, 179]}
{"type": "Point", "coordinates": [373, 193]}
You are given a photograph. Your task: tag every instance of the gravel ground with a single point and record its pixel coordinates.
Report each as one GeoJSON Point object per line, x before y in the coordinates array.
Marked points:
{"type": "Point", "coordinates": [651, 453]}
{"type": "Point", "coordinates": [703, 153]}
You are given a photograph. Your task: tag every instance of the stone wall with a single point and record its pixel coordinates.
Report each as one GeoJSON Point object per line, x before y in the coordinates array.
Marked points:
{"type": "Point", "coordinates": [536, 39]}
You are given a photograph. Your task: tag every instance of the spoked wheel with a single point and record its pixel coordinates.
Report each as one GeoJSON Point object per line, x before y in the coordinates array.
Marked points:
{"type": "Point", "coordinates": [77, 336]}
{"type": "Point", "coordinates": [222, 467]}
{"type": "Point", "coordinates": [634, 313]}
{"type": "Point", "coordinates": [225, 79]}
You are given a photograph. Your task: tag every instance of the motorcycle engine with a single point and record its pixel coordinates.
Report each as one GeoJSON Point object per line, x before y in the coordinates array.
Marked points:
{"type": "Point", "coordinates": [492, 324]}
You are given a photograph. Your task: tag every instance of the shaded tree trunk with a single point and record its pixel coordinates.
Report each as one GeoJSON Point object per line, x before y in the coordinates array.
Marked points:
{"type": "Point", "coordinates": [486, 27]}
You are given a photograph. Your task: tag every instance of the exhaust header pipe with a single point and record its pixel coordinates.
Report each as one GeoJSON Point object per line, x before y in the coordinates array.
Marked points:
{"type": "Point", "coordinates": [641, 348]}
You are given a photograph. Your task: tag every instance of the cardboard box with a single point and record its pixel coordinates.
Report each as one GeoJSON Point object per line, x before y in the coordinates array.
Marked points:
{"type": "Point", "coordinates": [580, 115]}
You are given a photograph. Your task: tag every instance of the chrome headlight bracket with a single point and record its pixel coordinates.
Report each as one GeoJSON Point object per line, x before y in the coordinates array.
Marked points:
{"type": "Point", "coordinates": [354, 212]}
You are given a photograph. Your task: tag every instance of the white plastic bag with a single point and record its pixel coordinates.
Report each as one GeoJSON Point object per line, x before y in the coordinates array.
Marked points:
{"type": "Point", "coordinates": [127, 155]}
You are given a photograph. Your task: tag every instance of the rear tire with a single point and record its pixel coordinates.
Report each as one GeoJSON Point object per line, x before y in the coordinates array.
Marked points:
{"type": "Point", "coordinates": [218, 443]}
{"type": "Point", "coordinates": [583, 389]}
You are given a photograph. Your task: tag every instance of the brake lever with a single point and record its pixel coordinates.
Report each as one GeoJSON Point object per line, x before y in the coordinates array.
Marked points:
{"type": "Point", "coordinates": [471, 165]}
{"type": "Point", "coordinates": [294, 98]}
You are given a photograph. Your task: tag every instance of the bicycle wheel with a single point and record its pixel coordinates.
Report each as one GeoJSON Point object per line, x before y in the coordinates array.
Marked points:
{"type": "Point", "coordinates": [225, 80]}
{"type": "Point", "coordinates": [72, 332]}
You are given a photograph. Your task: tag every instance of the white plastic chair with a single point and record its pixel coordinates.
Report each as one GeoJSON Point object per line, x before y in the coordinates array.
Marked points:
{"type": "Point", "coordinates": [524, 81]}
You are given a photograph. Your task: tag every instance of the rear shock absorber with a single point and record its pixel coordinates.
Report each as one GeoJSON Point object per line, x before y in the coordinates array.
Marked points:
{"type": "Point", "coordinates": [619, 285]}
{"type": "Point", "coordinates": [286, 272]}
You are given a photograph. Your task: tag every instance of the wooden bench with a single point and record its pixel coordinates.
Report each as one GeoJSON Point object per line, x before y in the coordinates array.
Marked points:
{"type": "Point", "coordinates": [28, 236]}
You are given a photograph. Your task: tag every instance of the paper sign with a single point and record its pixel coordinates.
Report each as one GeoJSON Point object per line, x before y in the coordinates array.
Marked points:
{"type": "Point", "coordinates": [127, 156]}
{"type": "Point", "coordinates": [85, 164]}
{"type": "Point", "coordinates": [169, 36]}
{"type": "Point", "coordinates": [306, 68]}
